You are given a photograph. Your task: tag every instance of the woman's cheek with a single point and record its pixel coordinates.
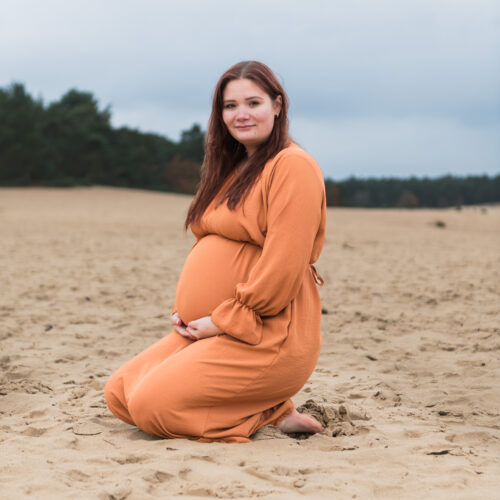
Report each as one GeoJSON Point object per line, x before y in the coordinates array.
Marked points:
{"type": "Point", "coordinates": [225, 120]}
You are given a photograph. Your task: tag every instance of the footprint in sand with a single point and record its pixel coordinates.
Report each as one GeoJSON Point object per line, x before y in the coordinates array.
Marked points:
{"type": "Point", "coordinates": [78, 393]}
{"type": "Point", "coordinates": [183, 473]}
{"type": "Point", "coordinates": [37, 413]}
{"type": "Point", "coordinates": [107, 354]}
{"type": "Point", "coordinates": [158, 477]}
{"type": "Point", "coordinates": [34, 431]}
{"type": "Point", "coordinates": [76, 475]}
{"type": "Point", "coordinates": [130, 459]}
{"type": "Point", "coordinates": [205, 458]}
{"type": "Point", "coordinates": [387, 395]}
{"type": "Point", "coordinates": [4, 361]}
{"type": "Point", "coordinates": [200, 492]}
{"type": "Point", "coordinates": [270, 478]}
{"type": "Point", "coordinates": [117, 494]}
{"type": "Point", "coordinates": [281, 470]}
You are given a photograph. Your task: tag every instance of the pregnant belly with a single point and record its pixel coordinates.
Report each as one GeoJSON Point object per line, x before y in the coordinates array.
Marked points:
{"type": "Point", "coordinates": [210, 274]}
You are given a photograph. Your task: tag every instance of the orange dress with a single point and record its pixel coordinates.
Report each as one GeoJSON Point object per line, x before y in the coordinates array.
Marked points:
{"type": "Point", "coordinates": [251, 271]}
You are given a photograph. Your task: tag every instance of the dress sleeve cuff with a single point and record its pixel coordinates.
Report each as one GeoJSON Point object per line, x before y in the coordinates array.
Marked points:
{"type": "Point", "coordinates": [239, 321]}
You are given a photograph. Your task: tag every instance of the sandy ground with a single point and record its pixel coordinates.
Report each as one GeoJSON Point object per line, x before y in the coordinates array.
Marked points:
{"type": "Point", "coordinates": [411, 336]}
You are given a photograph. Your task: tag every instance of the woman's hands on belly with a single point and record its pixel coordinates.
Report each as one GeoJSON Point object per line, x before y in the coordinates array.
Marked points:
{"type": "Point", "coordinates": [197, 329]}
{"type": "Point", "coordinates": [181, 327]}
{"type": "Point", "coordinates": [203, 328]}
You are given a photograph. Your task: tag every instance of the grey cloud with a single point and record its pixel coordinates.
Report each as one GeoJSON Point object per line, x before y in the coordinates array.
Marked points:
{"type": "Point", "coordinates": [155, 62]}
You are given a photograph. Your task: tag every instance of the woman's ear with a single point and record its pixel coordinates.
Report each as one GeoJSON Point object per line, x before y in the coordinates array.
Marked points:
{"type": "Point", "coordinates": [277, 106]}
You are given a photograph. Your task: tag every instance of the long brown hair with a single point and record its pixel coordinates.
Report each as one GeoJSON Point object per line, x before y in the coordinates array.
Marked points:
{"type": "Point", "coordinates": [223, 152]}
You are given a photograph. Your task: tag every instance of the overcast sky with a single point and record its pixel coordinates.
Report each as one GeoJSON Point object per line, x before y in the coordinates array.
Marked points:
{"type": "Point", "coordinates": [377, 87]}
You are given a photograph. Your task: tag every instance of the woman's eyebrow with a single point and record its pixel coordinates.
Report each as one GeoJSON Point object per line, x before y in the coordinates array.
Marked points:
{"type": "Point", "coordinates": [246, 98]}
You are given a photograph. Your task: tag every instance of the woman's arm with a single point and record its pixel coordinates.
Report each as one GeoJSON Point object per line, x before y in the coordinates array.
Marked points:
{"type": "Point", "coordinates": [295, 204]}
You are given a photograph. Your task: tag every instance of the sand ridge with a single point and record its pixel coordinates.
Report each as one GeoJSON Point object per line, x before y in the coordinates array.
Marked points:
{"type": "Point", "coordinates": [406, 384]}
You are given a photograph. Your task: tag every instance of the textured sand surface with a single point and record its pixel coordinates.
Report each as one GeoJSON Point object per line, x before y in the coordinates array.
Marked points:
{"type": "Point", "coordinates": [411, 339]}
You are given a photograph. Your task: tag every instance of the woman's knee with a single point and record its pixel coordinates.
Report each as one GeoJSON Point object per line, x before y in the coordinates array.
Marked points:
{"type": "Point", "coordinates": [111, 389]}
{"type": "Point", "coordinates": [115, 398]}
{"type": "Point", "coordinates": [163, 414]}
{"type": "Point", "coordinates": [148, 415]}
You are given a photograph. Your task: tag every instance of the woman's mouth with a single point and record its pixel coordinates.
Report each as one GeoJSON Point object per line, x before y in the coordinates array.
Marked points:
{"type": "Point", "coordinates": [244, 127]}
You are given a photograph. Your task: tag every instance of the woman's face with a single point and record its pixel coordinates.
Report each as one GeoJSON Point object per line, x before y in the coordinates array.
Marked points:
{"type": "Point", "coordinates": [248, 113]}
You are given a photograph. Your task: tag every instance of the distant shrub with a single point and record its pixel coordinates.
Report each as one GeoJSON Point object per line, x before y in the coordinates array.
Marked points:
{"type": "Point", "coordinates": [407, 200]}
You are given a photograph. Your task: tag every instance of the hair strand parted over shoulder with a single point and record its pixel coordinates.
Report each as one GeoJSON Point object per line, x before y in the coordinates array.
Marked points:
{"type": "Point", "coordinates": [223, 152]}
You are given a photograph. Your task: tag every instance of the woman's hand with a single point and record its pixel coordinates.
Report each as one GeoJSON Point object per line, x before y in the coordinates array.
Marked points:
{"type": "Point", "coordinates": [202, 328]}
{"type": "Point", "coordinates": [180, 327]}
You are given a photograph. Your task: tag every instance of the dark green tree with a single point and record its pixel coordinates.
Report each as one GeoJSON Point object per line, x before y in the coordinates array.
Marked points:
{"type": "Point", "coordinates": [21, 141]}
{"type": "Point", "coordinates": [78, 139]}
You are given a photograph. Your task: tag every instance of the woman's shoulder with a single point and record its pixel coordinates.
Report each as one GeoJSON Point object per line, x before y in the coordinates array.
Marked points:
{"type": "Point", "coordinates": [293, 160]}
{"type": "Point", "coordinates": [293, 151]}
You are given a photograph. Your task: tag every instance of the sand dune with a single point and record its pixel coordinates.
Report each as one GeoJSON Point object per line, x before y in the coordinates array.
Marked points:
{"type": "Point", "coordinates": [408, 380]}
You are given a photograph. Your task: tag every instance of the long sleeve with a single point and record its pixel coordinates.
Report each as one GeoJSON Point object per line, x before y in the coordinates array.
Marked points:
{"type": "Point", "coordinates": [295, 201]}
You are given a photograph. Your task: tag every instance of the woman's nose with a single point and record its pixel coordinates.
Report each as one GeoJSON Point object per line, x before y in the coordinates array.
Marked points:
{"type": "Point", "coordinates": [242, 114]}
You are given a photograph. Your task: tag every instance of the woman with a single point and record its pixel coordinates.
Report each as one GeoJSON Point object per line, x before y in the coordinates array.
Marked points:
{"type": "Point", "coordinates": [246, 321]}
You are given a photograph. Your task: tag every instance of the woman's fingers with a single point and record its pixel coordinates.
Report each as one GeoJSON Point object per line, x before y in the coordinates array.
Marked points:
{"type": "Point", "coordinates": [200, 333]}
{"type": "Point", "coordinates": [182, 330]}
{"type": "Point", "coordinates": [193, 324]}
{"type": "Point", "coordinates": [203, 328]}
{"type": "Point", "coordinates": [197, 329]}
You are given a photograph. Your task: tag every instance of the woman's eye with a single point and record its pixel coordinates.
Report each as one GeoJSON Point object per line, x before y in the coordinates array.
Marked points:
{"type": "Point", "coordinates": [254, 103]}
{"type": "Point", "coordinates": [228, 106]}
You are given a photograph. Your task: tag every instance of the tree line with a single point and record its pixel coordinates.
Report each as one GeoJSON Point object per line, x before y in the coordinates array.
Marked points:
{"type": "Point", "coordinates": [72, 142]}
{"type": "Point", "coordinates": [414, 192]}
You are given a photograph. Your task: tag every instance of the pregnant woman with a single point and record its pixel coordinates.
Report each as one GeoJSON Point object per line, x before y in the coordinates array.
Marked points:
{"type": "Point", "coordinates": [246, 320]}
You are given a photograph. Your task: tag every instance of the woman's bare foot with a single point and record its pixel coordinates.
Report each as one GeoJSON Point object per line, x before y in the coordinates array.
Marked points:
{"type": "Point", "coordinates": [300, 422]}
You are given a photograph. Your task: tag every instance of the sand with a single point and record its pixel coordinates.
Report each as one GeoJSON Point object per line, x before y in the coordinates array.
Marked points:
{"type": "Point", "coordinates": [411, 340]}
